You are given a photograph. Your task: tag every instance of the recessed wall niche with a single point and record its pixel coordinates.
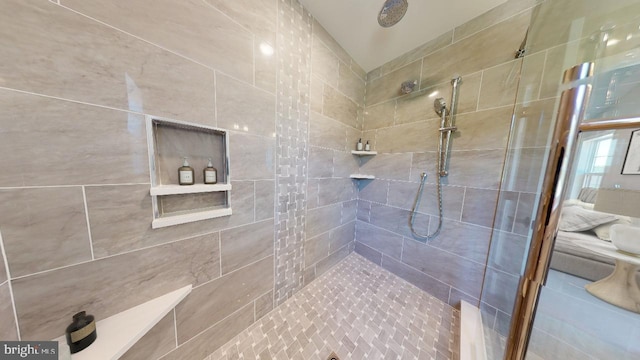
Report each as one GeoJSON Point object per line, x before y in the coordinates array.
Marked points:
{"type": "Point", "coordinates": [169, 142]}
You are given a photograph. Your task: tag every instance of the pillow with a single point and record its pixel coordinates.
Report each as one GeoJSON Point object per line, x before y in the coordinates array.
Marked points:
{"type": "Point", "coordinates": [575, 218]}
{"type": "Point", "coordinates": [588, 195]}
{"type": "Point", "coordinates": [602, 231]}
{"type": "Point", "coordinates": [576, 202]}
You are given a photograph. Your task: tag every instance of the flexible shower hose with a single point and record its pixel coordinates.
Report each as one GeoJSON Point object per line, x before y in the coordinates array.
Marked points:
{"type": "Point", "coordinates": [423, 178]}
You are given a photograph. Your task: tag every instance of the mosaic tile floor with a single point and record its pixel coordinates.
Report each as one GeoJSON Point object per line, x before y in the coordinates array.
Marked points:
{"type": "Point", "coordinates": [357, 310]}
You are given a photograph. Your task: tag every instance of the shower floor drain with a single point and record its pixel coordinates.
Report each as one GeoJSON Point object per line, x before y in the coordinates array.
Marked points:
{"type": "Point", "coordinates": [333, 356]}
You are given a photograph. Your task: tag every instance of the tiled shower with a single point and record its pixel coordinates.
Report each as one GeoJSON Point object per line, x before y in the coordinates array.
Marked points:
{"type": "Point", "coordinates": [78, 77]}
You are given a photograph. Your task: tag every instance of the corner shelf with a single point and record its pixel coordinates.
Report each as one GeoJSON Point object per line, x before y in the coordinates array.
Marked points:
{"type": "Point", "coordinates": [362, 177]}
{"type": "Point", "coordinates": [118, 333]}
{"type": "Point", "coordinates": [168, 142]}
{"type": "Point", "coordinates": [364, 153]}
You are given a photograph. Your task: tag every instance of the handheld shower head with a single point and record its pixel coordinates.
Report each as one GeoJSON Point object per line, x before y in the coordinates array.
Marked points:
{"type": "Point", "coordinates": [392, 12]}
{"type": "Point", "coordinates": [439, 105]}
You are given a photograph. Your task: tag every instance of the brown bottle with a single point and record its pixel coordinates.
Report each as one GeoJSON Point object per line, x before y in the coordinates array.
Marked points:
{"type": "Point", "coordinates": [185, 174]}
{"type": "Point", "coordinates": [210, 174]}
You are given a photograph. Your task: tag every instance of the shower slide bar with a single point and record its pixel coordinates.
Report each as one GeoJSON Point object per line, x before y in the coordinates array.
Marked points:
{"type": "Point", "coordinates": [444, 144]}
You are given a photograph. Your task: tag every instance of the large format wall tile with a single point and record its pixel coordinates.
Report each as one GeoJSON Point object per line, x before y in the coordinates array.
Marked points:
{"type": "Point", "coordinates": [264, 198]}
{"type": "Point", "coordinates": [380, 115]}
{"type": "Point", "coordinates": [388, 86]}
{"type": "Point", "coordinates": [340, 107]}
{"type": "Point", "coordinates": [3, 270]}
{"type": "Point", "coordinates": [388, 166]}
{"type": "Point", "coordinates": [524, 169]}
{"type": "Point", "coordinates": [55, 142]}
{"type": "Point", "coordinates": [348, 213]}
{"type": "Point", "coordinates": [244, 245]}
{"type": "Point", "coordinates": [491, 46]}
{"type": "Point", "coordinates": [252, 157]}
{"type": "Point", "coordinates": [244, 108]}
{"type": "Point", "coordinates": [381, 240]}
{"type": "Point", "coordinates": [218, 299]}
{"type": "Point", "coordinates": [531, 77]}
{"type": "Point", "coordinates": [527, 205]}
{"type": "Point", "coordinates": [316, 92]}
{"type": "Point", "coordinates": [479, 206]}
{"type": "Point", "coordinates": [326, 132]}
{"type": "Point", "coordinates": [158, 341]}
{"type": "Point", "coordinates": [497, 14]}
{"type": "Point", "coordinates": [482, 169]}
{"type": "Point", "coordinates": [320, 162]}
{"type": "Point", "coordinates": [319, 33]}
{"type": "Point", "coordinates": [323, 219]}
{"type": "Point", "coordinates": [500, 85]}
{"type": "Point", "coordinates": [43, 228]}
{"type": "Point", "coordinates": [265, 67]}
{"type": "Point", "coordinates": [331, 191]}
{"type": "Point", "coordinates": [453, 270]}
{"type": "Point", "coordinates": [535, 123]}
{"type": "Point", "coordinates": [419, 52]}
{"type": "Point", "coordinates": [397, 220]}
{"type": "Point", "coordinates": [403, 195]}
{"type": "Point", "coordinates": [344, 164]}
{"type": "Point", "coordinates": [417, 106]}
{"type": "Point", "coordinates": [330, 261]}
{"type": "Point", "coordinates": [316, 248]}
{"type": "Point", "coordinates": [108, 286]}
{"type": "Point", "coordinates": [373, 190]}
{"type": "Point", "coordinates": [342, 236]}
{"type": "Point", "coordinates": [498, 289]}
{"type": "Point", "coordinates": [190, 28]}
{"type": "Point", "coordinates": [507, 252]}
{"type": "Point", "coordinates": [8, 329]}
{"type": "Point", "coordinates": [259, 16]}
{"type": "Point", "coordinates": [129, 206]}
{"type": "Point", "coordinates": [351, 85]}
{"type": "Point", "coordinates": [482, 130]}
{"type": "Point", "coordinates": [61, 53]}
{"type": "Point", "coordinates": [369, 253]}
{"type": "Point", "coordinates": [212, 338]}
{"type": "Point", "coordinates": [467, 240]}
{"type": "Point", "coordinates": [425, 282]}
{"type": "Point", "coordinates": [506, 211]}
{"type": "Point", "coordinates": [324, 63]}
{"type": "Point", "coordinates": [417, 136]}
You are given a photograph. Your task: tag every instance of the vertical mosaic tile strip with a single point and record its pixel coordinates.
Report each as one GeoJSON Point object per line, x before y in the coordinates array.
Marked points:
{"type": "Point", "coordinates": [293, 90]}
{"type": "Point", "coordinates": [357, 310]}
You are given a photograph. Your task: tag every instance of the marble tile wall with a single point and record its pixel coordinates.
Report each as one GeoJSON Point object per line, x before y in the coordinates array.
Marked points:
{"type": "Point", "coordinates": [75, 210]}
{"type": "Point", "coordinates": [404, 130]}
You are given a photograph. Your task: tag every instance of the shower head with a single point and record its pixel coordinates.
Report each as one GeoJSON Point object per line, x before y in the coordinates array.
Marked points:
{"type": "Point", "coordinates": [392, 12]}
{"type": "Point", "coordinates": [439, 105]}
{"type": "Point", "coordinates": [407, 87]}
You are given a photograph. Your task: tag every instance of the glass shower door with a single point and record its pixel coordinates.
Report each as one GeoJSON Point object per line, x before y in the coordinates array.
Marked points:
{"type": "Point", "coordinates": [562, 33]}
{"type": "Point", "coordinates": [589, 306]}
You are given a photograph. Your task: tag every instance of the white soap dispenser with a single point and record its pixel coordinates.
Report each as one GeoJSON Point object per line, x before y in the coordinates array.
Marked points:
{"type": "Point", "coordinates": [359, 145]}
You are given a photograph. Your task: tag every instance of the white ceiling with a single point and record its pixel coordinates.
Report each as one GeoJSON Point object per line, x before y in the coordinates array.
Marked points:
{"type": "Point", "coordinates": [354, 24]}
